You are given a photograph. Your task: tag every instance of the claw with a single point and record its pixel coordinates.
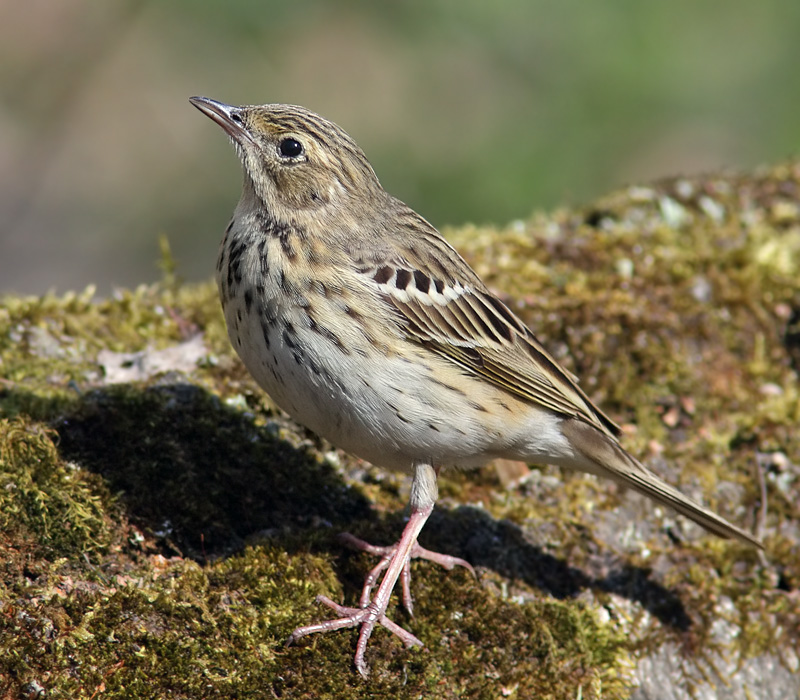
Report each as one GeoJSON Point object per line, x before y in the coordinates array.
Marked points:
{"type": "Point", "coordinates": [417, 552]}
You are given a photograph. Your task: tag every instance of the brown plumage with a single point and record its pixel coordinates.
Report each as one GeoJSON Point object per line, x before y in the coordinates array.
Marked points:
{"type": "Point", "coordinates": [366, 326]}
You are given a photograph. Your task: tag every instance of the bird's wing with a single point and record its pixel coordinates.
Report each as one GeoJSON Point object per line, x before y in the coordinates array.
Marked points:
{"type": "Point", "coordinates": [444, 306]}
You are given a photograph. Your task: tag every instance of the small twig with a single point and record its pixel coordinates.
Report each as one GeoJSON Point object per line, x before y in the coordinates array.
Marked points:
{"type": "Point", "coordinates": [761, 515]}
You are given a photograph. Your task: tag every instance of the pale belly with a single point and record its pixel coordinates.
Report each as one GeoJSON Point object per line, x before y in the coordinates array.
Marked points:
{"type": "Point", "coordinates": [392, 410]}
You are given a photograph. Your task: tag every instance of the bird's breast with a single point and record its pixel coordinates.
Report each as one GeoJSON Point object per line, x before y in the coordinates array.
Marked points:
{"type": "Point", "coordinates": [329, 353]}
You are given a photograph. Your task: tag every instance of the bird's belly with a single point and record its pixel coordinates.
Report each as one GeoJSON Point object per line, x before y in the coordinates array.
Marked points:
{"type": "Point", "coordinates": [392, 409]}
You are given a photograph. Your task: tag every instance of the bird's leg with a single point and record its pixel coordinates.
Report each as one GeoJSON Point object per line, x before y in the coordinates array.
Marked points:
{"type": "Point", "coordinates": [386, 553]}
{"type": "Point", "coordinates": [395, 562]}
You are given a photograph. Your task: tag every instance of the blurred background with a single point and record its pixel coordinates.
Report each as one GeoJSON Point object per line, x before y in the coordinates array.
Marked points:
{"type": "Point", "coordinates": [470, 111]}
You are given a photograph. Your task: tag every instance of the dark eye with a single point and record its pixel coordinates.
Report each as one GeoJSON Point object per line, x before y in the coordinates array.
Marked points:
{"type": "Point", "coordinates": [290, 148]}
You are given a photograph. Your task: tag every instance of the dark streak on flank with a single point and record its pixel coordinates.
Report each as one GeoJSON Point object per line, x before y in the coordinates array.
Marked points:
{"type": "Point", "coordinates": [288, 248]}
{"type": "Point", "coordinates": [287, 340]}
{"type": "Point", "coordinates": [352, 313]}
{"type": "Point", "coordinates": [265, 332]}
{"type": "Point", "coordinates": [444, 385]}
{"type": "Point", "coordinates": [327, 333]}
{"type": "Point", "coordinates": [263, 257]}
{"type": "Point", "coordinates": [392, 407]}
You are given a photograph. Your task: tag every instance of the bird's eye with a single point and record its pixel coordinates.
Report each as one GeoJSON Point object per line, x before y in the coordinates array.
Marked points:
{"type": "Point", "coordinates": [290, 148]}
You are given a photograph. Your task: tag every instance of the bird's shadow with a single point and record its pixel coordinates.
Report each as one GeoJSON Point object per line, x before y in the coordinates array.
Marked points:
{"type": "Point", "coordinates": [202, 477]}
{"type": "Point", "coordinates": [198, 474]}
{"type": "Point", "coordinates": [503, 547]}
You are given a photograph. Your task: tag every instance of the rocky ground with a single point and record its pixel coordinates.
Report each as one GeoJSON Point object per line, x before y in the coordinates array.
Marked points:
{"type": "Point", "coordinates": [163, 527]}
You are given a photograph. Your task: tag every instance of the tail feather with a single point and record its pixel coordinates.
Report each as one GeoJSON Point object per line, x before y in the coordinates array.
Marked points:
{"type": "Point", "coordinates": [607, 458]}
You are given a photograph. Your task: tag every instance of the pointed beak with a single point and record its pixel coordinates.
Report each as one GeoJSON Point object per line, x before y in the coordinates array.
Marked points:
{"type": "Point", "coordinates": [227, 116]}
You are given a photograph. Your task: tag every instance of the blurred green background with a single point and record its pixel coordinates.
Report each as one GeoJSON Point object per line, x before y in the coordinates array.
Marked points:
{"type": "Point", "coordinates": [469, 110]}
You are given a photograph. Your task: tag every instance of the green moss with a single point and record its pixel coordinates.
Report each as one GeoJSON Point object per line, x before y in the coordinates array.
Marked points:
{"type": "Point", "coordinates": [47, 503]}
{"type": "Point", "coordinates": [163, 538]}
{"type": "Point", "coordinates": [164, 627]}
{"type": "Point", "coordinates": [218, 631]}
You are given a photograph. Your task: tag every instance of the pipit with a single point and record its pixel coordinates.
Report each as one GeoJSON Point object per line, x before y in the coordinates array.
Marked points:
{"type": "Point", "coordinates": [366, 326]}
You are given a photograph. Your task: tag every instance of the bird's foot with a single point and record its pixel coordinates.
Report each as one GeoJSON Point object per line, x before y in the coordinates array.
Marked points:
{"type": "Point", "coordinates": [386, 553]}
{"type": "Point", "coordinates": [366, 617]}
{"type": "Point", "coordinates": [394, 563]}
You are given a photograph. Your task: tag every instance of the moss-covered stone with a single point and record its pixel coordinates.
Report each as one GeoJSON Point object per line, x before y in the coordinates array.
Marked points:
{"type": "Point", "coordinates": [161, 537]}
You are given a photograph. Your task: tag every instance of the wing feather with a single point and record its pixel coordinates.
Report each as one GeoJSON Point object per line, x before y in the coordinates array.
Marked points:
{"type": "Point", "coordinates": [461, 320]}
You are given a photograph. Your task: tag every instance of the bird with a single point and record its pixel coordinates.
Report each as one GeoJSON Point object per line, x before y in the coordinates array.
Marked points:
{"type": "Point", "coordinates": [366, 326]}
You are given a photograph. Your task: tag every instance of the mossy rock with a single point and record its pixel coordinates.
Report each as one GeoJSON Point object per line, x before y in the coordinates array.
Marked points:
{"type": "Point", "coordinates": [163, 527]}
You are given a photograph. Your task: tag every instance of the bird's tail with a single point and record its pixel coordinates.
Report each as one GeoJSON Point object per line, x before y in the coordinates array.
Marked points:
{"type": "Point", "coordinates": [610, 460]}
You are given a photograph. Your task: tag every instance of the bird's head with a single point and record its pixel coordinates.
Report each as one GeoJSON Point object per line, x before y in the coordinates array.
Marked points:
{"type": "Point", "coordinates": [295, 162]}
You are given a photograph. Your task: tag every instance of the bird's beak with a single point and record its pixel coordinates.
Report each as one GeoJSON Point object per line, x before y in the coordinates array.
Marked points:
{"type": "Point", "coordinates": [227, 116]}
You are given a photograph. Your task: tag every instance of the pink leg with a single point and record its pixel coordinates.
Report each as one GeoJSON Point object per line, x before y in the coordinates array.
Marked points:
{"type": "Point", "coordinates": [375, 611]}
{"type": "Point", "coordinates": [395, 561]}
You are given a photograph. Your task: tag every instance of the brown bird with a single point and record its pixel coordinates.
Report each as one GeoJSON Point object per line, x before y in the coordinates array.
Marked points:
{"type": "Point", "coordinates": [366, 326]}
